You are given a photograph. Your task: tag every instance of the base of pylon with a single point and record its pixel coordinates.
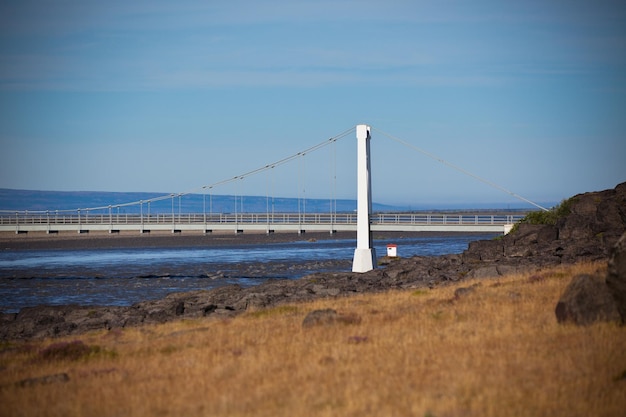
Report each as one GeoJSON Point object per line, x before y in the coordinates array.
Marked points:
{"type": "Point", "coordinates": [364, 260]}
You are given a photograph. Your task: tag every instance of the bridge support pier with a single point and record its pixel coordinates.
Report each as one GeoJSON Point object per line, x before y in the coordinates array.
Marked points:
{"type": "Point", "coordinates": [364, 254]}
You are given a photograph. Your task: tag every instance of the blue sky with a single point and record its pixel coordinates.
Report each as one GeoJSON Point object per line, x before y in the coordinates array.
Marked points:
{"type": "Point", "coordinates": [166, 96]}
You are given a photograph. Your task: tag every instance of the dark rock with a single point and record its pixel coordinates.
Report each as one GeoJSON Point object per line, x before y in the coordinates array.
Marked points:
{"type": "Point", "coordinates": [616, 276]}
{"type": "Point", "coordinates": [180, 308]}
{"type": "Point", "coordinates": [484, 250]}
{"type": "Point", "coordinates": [575, 227]}
{"type": "Point", "coordinates": [596, 222]}
{"type": "Point", "coordinates": [7, 317]}
{"type": "Point", "coordinates": [489, 271]}
{"type": "Point", "coordinates": [50, 321]}
{"type": "Point", "coordinates": [596, 217]}
{"type": "Point", "coordinates": [585, 301]}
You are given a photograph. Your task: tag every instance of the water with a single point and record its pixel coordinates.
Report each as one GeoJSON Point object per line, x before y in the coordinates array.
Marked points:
{"type": "Point", "coordinates": [122, 277]}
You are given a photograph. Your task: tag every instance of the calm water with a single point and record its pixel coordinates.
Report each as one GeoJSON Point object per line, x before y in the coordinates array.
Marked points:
{"type": "Point", "coordinates": [123, 277]}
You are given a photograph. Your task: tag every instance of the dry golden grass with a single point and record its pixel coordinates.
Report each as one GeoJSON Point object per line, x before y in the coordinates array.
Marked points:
{"type": "Point", "coordinates": [497, 351]}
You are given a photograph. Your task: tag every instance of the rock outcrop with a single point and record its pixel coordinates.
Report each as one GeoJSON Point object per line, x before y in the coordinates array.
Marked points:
{"type": "Point", "coordinates": [586, 300]}
{"type": "Point", "coordinates": [616, 276]}
{"type": "Point", "coordinates": [591, 229]}
{"type": "Point", "coordinates": [595, 223]}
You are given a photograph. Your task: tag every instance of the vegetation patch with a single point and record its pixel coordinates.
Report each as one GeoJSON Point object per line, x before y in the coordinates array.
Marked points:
{"type": "Point", "coordinates": [169, 349]}
{"type": "Point", "coordinates": [16, 347]}
{"type": "Point", "coordinates": [547, 217]}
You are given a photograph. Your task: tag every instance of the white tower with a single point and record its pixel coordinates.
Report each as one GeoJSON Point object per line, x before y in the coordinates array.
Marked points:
{"type": "Point", "coordinates": [364, 254]}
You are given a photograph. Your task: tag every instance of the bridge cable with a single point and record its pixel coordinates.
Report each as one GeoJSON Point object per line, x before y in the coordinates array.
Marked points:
{"type": "Point", "coordinates": [268, 166]}
{"type": "Point", "coordinates": [461, 170]}
{"type": "Point", "coordinates": [213, 185]}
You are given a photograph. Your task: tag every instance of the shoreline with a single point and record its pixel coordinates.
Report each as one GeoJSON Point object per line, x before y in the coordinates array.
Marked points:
{"type": "Point", "coordinates": [582, 235]}
{"type": "Point", "coordinates": [70, 241]}
{"type": "Point", "coordinates": [174, 263]}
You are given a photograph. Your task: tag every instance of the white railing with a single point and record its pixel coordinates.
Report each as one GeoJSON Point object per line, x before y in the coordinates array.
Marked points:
{"type": "Point", "coordinates": [24, 219]}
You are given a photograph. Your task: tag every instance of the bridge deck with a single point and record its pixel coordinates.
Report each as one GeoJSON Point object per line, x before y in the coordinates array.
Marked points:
{"type": "Point", "coordinates": [258, 222]}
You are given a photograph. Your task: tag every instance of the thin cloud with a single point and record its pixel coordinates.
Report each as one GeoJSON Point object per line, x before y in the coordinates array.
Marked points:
{"type": "Point", "coordinates": [137, 46]}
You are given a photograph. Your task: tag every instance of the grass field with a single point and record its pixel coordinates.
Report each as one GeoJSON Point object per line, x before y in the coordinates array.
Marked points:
{"type": "Point", "coordinates": [494, 351]}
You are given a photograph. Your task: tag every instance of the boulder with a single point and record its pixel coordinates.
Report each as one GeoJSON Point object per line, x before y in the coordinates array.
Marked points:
{"type": "Point", "coordinates": [596, 217]}
{"type": "Point", "coordinates": [489, 271]}
{"type": "Point", "coordinates": [586, 300]}
{"type": "Point", "coordinates": [484, 250]}
{"type": "Point", "coordinates": [616, 276]}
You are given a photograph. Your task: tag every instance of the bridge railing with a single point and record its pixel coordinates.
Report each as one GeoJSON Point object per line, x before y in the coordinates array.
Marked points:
{"type": "Point", "coordinates": [439, 218]}
{"type": "Point", "coordinates": [86, 218]}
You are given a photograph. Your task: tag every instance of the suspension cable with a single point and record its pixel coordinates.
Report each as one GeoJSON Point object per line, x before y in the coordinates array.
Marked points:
{"type": "Point", "coordinates": [463, 171]}
{"type": "Point", "coordinates": [209, 186]}
{"type": "Point", "coordinates": [260, 169]}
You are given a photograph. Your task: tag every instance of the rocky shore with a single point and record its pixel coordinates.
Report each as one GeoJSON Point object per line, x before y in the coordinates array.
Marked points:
{"type": "Point", "coordinates": [588, 232]}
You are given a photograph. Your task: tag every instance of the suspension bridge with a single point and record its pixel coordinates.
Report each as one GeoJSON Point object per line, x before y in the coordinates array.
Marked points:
{"type": "Point", "coordinates": [85, 221]}
{"type": "Point", "coordinates": [144, 217]}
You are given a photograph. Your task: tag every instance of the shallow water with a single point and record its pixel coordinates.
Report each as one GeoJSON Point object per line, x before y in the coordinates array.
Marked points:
{"type": "Point", "coordinates": [123, 277]}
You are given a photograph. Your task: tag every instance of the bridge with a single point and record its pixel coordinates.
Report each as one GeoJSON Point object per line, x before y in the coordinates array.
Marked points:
{"type": "Point", "coordinates": [144, 218]}
{"type": "Point", "coordinates": [85, 222]}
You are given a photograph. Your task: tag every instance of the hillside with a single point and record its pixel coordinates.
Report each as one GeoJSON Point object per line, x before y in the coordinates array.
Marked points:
{"type": "Point", "coordinates": [19, 200]}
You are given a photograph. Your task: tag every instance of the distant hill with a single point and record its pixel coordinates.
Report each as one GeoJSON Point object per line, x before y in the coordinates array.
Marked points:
{"type": "Point", "coordinates": [19, 200]}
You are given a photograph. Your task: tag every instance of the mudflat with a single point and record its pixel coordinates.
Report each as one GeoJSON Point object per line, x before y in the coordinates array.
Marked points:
{"type": "Point", "coordinates": [98, 240]}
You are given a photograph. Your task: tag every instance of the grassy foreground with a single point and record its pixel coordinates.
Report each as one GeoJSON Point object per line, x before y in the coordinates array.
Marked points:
{"type": "Point", "coordinates": [496, 351]}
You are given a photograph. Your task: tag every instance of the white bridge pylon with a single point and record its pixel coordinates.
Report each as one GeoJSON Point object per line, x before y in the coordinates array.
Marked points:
{"type": "Point", "coordinates": [364, 254]}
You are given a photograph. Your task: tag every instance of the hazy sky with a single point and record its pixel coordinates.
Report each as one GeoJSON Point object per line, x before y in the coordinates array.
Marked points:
{"type": "Point", "coordinates": [168, 96]}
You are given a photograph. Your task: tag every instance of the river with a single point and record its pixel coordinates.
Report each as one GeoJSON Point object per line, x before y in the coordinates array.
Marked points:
{"type": "Point", "coordinates": [122, 277]}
